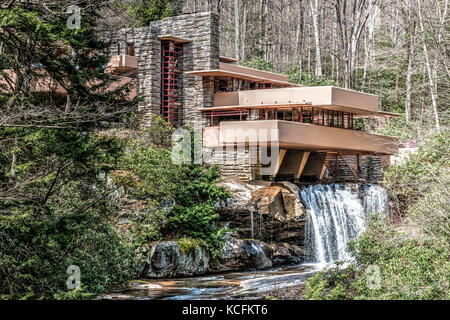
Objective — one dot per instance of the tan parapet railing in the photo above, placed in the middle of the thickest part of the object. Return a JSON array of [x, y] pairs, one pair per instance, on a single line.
[[327, 97], [121, 63], [297, 136]]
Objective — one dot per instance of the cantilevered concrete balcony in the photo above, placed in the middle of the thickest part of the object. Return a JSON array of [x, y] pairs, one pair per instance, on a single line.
[[326, 97], [43, 83], [297, 136], [122, 63]]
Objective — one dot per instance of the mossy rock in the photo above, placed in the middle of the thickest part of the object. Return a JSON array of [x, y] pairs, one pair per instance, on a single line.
[[187, 245]]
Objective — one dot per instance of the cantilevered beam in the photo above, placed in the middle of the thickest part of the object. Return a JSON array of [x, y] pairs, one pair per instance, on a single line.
[[324, 166], [303, 160], [280, 158]]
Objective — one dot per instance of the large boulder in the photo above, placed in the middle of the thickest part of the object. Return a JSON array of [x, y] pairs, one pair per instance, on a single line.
[[246, 254], [241, 194], [166, 260], [267, 211], [293, 206], [269, 201], [281, 201], [286, 254]]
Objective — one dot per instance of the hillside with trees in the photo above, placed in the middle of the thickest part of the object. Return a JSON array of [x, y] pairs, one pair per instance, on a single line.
[[64, 170], [397, 50]]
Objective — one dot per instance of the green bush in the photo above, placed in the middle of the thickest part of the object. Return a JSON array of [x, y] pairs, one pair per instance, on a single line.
[[196, 202], [432, 212], [260, 64], [150, 173], [39, 249], [308, 79], [402, 129], [417, 175], [144, 12], [333, 284], [408, 269], [189, 244]]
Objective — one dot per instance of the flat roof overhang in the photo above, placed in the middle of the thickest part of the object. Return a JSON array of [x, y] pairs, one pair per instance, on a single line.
[[236, 71], [326, 97], [223, 73], [170, 37], [227, 59], [297, 136]]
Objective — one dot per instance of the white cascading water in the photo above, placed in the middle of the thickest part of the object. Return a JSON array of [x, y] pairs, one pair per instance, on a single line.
[[336, 214]]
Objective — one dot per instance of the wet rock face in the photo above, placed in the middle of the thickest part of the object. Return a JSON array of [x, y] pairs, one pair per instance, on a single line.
[[166, 260], [276, 210], [241, 254], [251, 254], [294, 208], [269, 201], [241, 193]]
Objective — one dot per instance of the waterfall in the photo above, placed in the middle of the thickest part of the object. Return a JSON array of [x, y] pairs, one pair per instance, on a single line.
[[336, 214]]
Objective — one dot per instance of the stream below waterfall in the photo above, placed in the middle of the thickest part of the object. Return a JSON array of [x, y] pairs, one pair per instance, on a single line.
[[230, 285], [336, 214]]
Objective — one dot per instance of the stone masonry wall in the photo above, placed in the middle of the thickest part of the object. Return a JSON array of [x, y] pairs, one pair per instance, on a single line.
[[201, 53], [236, 163], [148, 76]]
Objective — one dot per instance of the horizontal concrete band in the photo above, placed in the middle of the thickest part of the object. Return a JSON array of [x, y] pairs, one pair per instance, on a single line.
[[297, 136]]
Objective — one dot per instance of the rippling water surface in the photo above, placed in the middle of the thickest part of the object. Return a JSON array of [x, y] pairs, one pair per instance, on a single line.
[[233, 285]]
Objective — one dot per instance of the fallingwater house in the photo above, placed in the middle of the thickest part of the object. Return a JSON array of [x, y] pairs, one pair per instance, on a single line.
[[176, 68]]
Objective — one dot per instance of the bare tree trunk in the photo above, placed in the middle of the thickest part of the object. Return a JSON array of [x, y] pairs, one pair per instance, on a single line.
[[351, 25], [12, 176], [335, 54], [394, 27], [262, 25], [266, 42], [236, 29], [314, 5], [369, 39], [396, 88], [333, 59], [300, 38], [442, 45], [428, 66], [244, 31], [309, 51], [411, 47]]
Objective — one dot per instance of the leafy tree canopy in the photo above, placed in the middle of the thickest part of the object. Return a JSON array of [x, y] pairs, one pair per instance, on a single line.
[[146, 11]]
